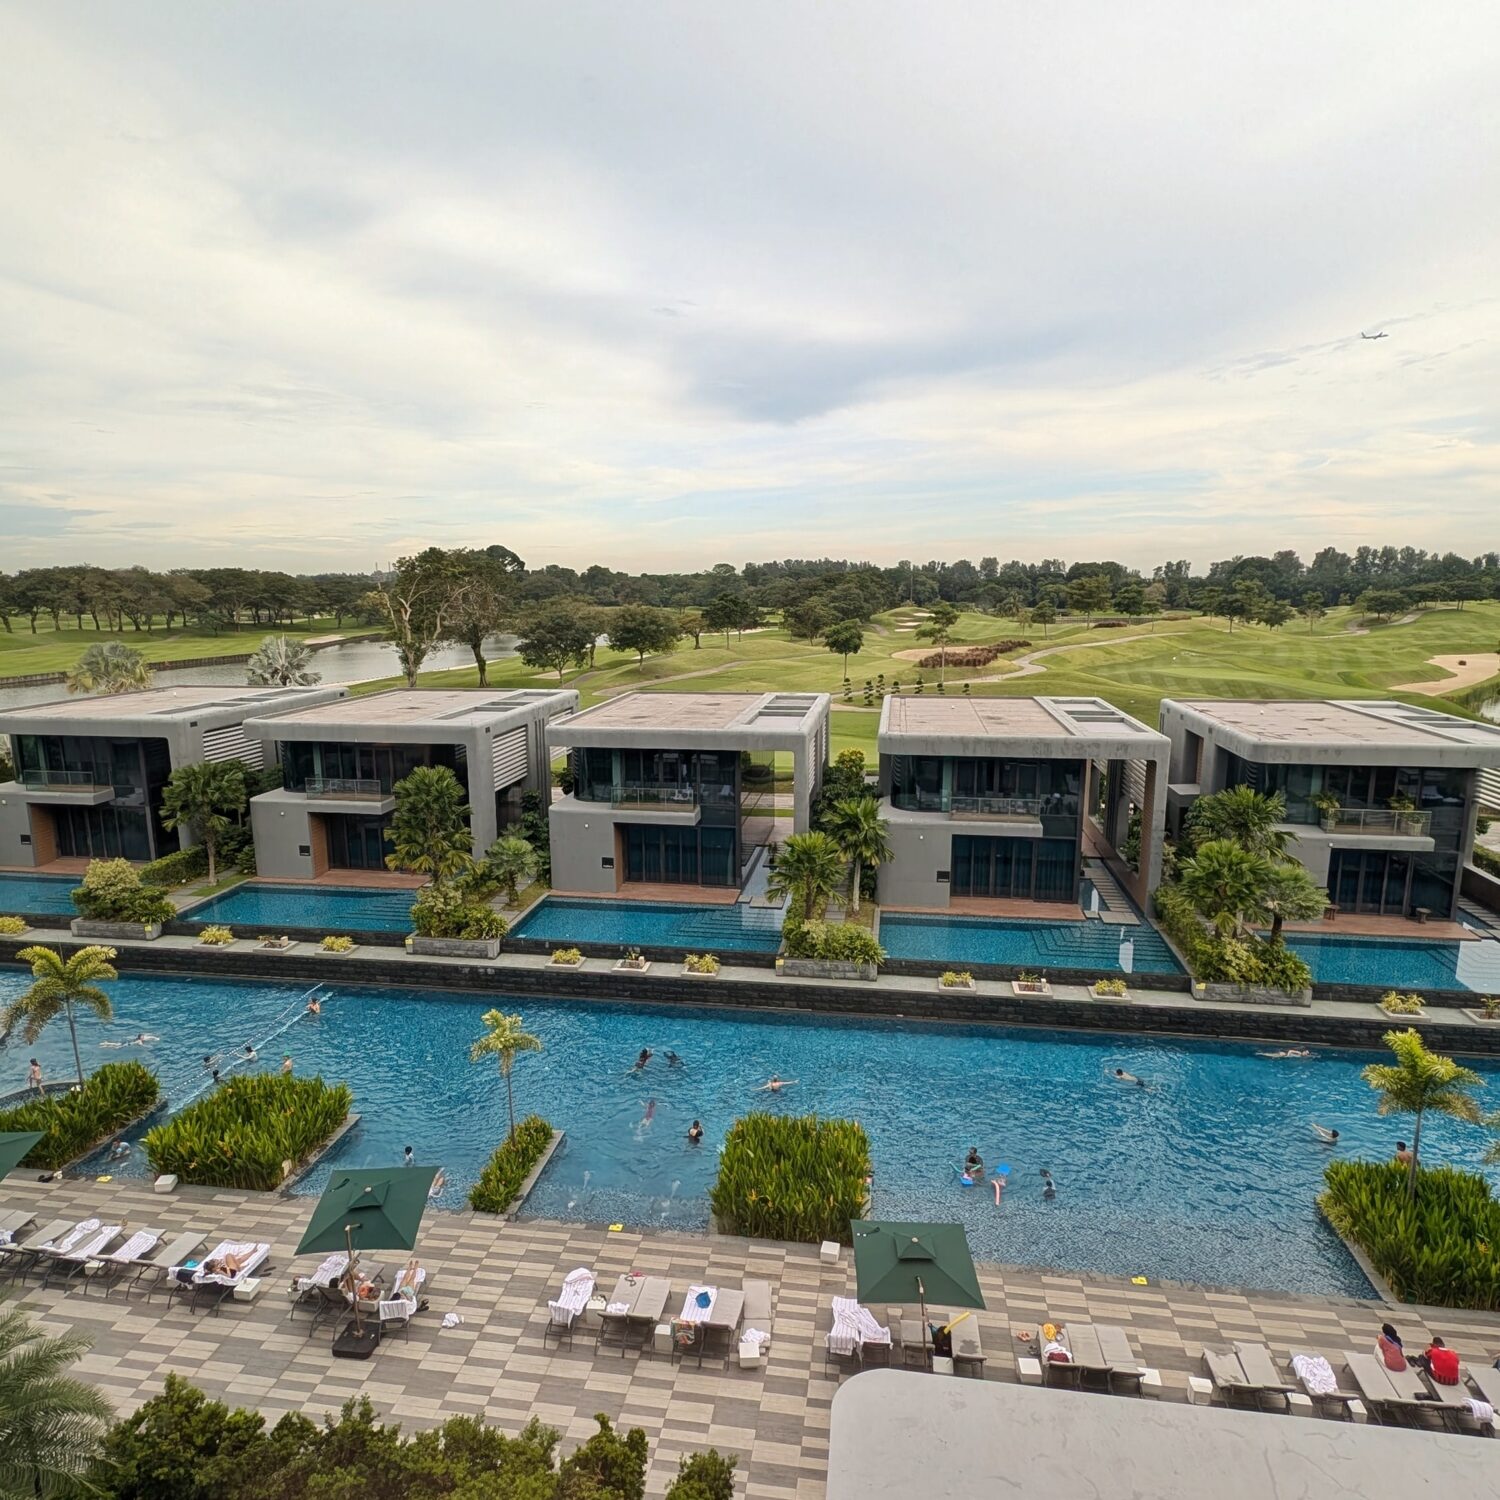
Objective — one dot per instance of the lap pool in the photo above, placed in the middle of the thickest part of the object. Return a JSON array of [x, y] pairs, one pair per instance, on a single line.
[[37, 895], [1401, 963], [329, 908], [1098, 946], [1207, 1175], [736, 928]]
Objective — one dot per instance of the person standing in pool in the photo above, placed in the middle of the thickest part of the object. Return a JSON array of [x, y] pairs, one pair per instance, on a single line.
[[408, 1157], [775, 1085], [695, 1133], [34, 1079], [973, 1163]]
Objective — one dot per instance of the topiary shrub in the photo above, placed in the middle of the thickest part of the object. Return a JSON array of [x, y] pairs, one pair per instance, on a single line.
[[244, 1133], [506, 1170], [444, 911], [113, 891], [788, 1178], [177, 868], [75, 1122]]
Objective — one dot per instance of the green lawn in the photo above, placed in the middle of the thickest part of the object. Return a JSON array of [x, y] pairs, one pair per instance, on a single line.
[[1193, 658], [52, 650]]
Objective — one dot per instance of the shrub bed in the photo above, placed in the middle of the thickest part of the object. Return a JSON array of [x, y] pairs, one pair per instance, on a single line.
[[113, 891], [1444, 1249], [506, 1170], [178, 868], [75, 1123], [1487, 860], [250, 1131], [784, 1178], [444, 911], [1228, 960], [846, 942], [972, 656]]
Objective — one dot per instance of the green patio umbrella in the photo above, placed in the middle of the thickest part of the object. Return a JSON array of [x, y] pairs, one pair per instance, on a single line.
[[376, 1208], [922, 1263], [14, 1144]]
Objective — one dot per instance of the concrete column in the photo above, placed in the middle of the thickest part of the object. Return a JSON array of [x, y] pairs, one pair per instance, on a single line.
[[802, 782]]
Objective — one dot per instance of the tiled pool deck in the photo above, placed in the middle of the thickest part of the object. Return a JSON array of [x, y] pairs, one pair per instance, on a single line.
[[498, 1278]]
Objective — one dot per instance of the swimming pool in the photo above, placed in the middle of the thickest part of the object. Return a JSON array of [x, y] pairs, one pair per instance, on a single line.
[[1207, 1175], [328, 908], [1401, 963], [738, 928], [37, 895], [1099, 946]]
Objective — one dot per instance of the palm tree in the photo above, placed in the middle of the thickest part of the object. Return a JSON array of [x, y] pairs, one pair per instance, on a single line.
[[809, 868], [108, 667], [1291, 895], [205, 797], [61, 983], [282, 663], [1420, 1082], [508, 862], [429, 830], [858, 829], [51, 1425], [504, 1038], [1224, 883], [1253, 820]]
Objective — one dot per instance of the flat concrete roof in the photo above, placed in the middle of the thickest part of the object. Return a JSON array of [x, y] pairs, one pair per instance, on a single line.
[[187, 702], [1042, 726], [895, 1433], [670, 716], [402, 711], [1264, 727]]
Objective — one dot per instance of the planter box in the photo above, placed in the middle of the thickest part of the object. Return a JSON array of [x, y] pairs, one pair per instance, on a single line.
[[966, 988], [1118, 999], [1252, 994], [1484, 1020], [86, 927], [624, 966], [427, 947], [700, 973], [1018, 988], [276, 947], [1399, 1016], [211, 946], [337, 952], [565, 963], [826, 968]]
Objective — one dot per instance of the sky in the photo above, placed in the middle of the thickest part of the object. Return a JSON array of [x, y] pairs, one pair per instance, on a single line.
[[661, 285]]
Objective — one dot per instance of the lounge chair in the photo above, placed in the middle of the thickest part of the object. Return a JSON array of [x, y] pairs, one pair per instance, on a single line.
[[1486, 1382], [1126, 1370], [1386, 1398], [14, 1220], [74, 1251], [120, 1262], [1232, 1386], [1262, 1374], [1453, 1402], [22, 1252], [155, 1273], [967, 1347], [398, 1311], [564, 1313], [212, 1288], [1320, 1385], [854, 1331]]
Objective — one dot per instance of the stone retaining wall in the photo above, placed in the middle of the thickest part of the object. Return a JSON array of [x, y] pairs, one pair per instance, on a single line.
[[1006, 972]]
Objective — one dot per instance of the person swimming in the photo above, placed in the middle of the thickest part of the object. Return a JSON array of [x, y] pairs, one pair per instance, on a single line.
[[673, 1061], [774, 1085], [650, 1114], [120, 1150], [210, 1061], [144, 1038], [973, 1162], [438, 1183], [1123, 1077], [286, 1062], [1049, 1188], [642, 1060], [1288, 1052], [1328, 1137], [111, 1045], [250, 1054], [315, 1006], [695, 1133]]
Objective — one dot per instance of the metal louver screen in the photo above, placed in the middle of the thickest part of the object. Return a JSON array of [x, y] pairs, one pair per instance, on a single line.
[[1489, 788], [508, 752], [232, 743]]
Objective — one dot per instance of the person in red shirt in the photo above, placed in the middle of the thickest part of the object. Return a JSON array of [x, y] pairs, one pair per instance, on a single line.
[[1440, 1362]]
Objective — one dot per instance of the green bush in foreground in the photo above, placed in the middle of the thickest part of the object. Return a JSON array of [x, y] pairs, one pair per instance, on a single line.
[[506, 1170], [704, 1476], [1219, 959], [181, 1445], [845, 942], [250, 1131], [1444, 1249], [78, 1121], [792, 1178], [444, 911]]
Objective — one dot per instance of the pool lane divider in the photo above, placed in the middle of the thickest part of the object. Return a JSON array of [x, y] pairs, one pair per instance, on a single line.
[[1146, 1013]]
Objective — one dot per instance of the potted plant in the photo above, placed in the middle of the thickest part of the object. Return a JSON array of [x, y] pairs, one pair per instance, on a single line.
[[276, 944], [216, 937], [633, 961], [1109, 989], [1328, 811], [1407, 820], [1030, 984], [566, 958], [11, 927], [706, 965], [338, 942], [448, 922], [1488, 1011], [1393, 1003], [956, 979]]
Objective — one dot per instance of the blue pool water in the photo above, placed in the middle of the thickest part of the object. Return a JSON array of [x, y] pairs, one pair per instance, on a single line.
[[1207, 1175], [36, 895], [329, 908], [1400, 963], [740, 928], [1031, 945]]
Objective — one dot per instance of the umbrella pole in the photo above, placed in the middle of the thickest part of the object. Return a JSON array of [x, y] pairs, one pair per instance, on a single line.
[[353, 1278], [922, 1304]]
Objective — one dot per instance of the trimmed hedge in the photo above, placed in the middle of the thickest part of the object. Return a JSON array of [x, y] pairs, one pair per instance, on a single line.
[[1228, 960], [787, 1178], [250, 1132], [178, 868], [77, 1122], [1443, 1250], [1487, 860], [506, 1170]]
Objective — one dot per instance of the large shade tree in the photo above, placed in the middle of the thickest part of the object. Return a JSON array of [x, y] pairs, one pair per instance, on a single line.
[[505, 1039], [644, 629], [59, 984], [487, 604], [205, 798], [556, 638], [418, 600], [845, 638], [1421, 1083]]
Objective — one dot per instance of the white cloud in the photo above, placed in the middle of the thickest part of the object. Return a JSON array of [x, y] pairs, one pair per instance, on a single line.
[[666, 286]]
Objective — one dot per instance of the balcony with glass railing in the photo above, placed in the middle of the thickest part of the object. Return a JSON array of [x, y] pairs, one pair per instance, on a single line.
[[1392, 822], [632, 796], [65, 781], [346, 787], [957, 805]]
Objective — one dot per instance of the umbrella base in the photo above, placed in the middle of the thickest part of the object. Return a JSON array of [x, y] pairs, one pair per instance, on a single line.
[[357, 1343]]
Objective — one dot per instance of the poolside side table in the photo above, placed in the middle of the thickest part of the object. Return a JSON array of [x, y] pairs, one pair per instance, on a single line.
[[594, 1308]]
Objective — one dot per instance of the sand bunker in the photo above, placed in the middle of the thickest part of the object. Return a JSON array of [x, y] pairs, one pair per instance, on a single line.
[[1468, 670]]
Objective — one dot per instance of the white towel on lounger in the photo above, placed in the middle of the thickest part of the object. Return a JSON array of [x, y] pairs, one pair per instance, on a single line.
[[1316, 1374]]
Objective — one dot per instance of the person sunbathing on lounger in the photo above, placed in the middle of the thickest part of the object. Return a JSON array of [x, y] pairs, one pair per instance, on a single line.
[[228, 1264], [408, 1279]]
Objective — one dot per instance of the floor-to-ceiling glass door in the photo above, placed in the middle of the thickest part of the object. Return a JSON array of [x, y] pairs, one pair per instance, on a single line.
[[1376, 882], [356, 843], [1014, 869]]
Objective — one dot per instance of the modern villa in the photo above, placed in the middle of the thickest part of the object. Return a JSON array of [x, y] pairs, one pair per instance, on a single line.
[[996, 801], [679, 791], [90, 771], [1381, 796], [341, 761]]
